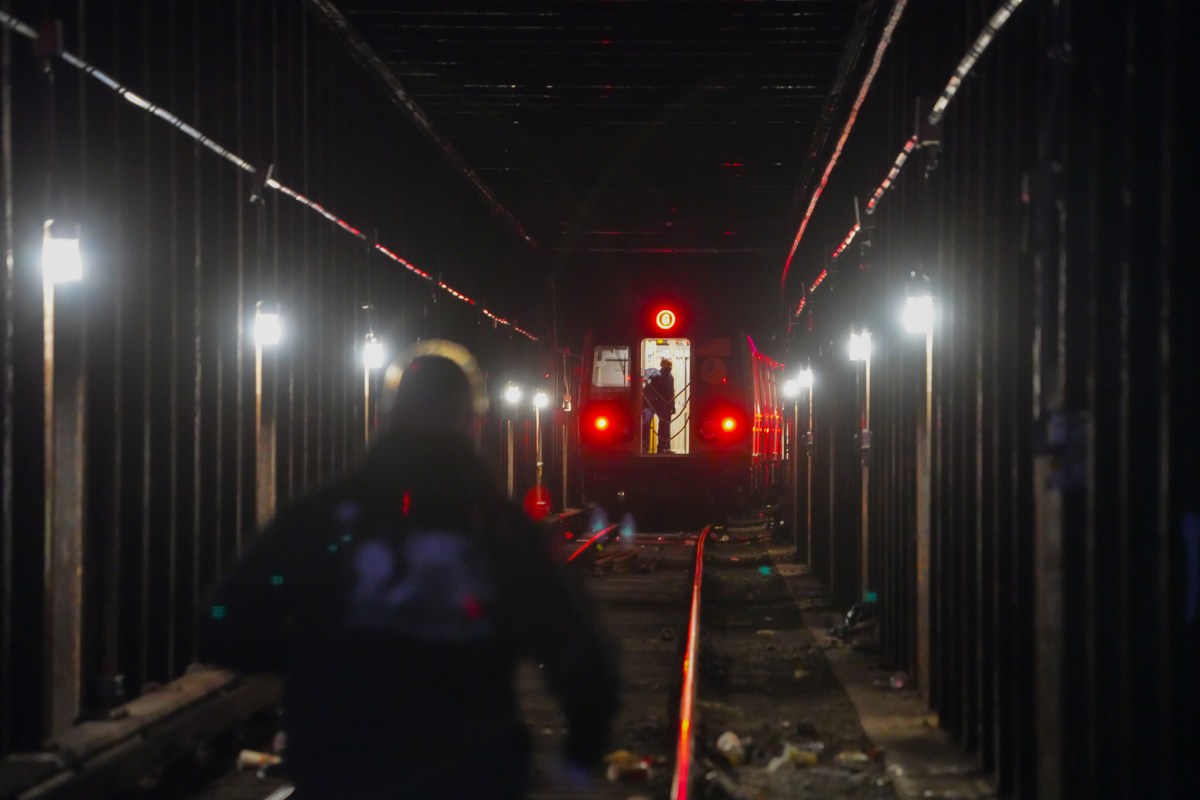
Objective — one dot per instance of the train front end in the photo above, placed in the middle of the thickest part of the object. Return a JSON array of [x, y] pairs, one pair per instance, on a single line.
[[693, 456]]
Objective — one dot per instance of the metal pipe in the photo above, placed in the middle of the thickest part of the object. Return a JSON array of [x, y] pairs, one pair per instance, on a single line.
[[6, 401], [808, 446], [537, 442], [865, 459], [924, 515], [794, 463], [366, 403], [565, 450], [508, 449]]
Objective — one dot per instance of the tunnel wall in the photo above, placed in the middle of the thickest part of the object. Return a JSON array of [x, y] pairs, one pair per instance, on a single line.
[[1053, 220], [156, 487]]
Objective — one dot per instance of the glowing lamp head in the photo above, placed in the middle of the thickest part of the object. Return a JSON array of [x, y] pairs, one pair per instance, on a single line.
[[728, 424], [665, 319], [268, 328], [61, 259], [918, 314], [540, 399], [373, 355], [860, 346], [601, 423], [512, 394]]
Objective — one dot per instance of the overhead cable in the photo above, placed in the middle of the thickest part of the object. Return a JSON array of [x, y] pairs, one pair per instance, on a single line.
[[973, 53], [893, 173], [880, 48], [846, 242], [965, 65], [12, 23], [363, 52]]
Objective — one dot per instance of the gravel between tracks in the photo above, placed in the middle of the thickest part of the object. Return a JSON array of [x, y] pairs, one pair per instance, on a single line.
[[764, 676]]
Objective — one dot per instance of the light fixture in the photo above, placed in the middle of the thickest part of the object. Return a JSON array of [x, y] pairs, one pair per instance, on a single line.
[[918, 304], [373, 354], [918, 313], [512, 394], [268, 329], [794, 386], [860, 346], [665, 319], [61, 259], [540, 399]]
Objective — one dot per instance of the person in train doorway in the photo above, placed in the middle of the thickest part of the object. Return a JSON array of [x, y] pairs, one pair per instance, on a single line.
[[660, 391], [397, 602]]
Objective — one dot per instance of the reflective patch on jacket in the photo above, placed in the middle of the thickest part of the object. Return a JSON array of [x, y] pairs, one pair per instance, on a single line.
[[431, 585]]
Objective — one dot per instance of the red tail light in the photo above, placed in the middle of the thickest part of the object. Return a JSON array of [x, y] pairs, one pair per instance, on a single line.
[[606, 423], [722, 425]]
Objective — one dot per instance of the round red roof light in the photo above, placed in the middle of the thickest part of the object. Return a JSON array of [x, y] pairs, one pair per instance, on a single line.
[[665, 319]]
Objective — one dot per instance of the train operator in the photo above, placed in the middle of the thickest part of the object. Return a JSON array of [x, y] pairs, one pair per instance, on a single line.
[[396, 604]]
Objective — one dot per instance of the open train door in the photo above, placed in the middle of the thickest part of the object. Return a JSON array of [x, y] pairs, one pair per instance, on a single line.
[[679, 350]]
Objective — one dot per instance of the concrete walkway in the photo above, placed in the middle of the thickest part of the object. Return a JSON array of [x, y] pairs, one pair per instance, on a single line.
[[920, 757]]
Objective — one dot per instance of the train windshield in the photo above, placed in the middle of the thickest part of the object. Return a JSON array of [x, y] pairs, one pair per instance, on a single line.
[[610, 367], [666, 406]]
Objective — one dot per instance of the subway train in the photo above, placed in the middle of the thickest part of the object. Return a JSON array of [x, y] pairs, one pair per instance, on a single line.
[[724, 428]]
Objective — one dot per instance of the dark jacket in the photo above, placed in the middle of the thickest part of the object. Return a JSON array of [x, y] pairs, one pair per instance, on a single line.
[[397, 603], [660, 392]]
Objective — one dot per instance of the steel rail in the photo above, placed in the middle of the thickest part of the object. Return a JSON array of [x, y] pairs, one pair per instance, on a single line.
[[683, 747], [583, 547]]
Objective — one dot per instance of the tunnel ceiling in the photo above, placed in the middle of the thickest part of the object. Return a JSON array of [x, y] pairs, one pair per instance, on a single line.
[[634, 127]]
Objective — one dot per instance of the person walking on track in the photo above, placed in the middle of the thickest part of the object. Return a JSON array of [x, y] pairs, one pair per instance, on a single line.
[[397, 602]]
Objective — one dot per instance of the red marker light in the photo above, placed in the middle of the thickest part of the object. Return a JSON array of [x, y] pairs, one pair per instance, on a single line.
[[665, 319], [728, 424], [601, 423], [537, 502]]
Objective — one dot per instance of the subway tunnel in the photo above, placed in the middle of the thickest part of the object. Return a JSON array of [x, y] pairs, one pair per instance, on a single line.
[[1010, 482]]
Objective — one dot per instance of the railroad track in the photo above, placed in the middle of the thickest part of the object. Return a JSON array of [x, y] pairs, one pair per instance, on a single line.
[[642, 586], [708, 645], [715, 651]]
